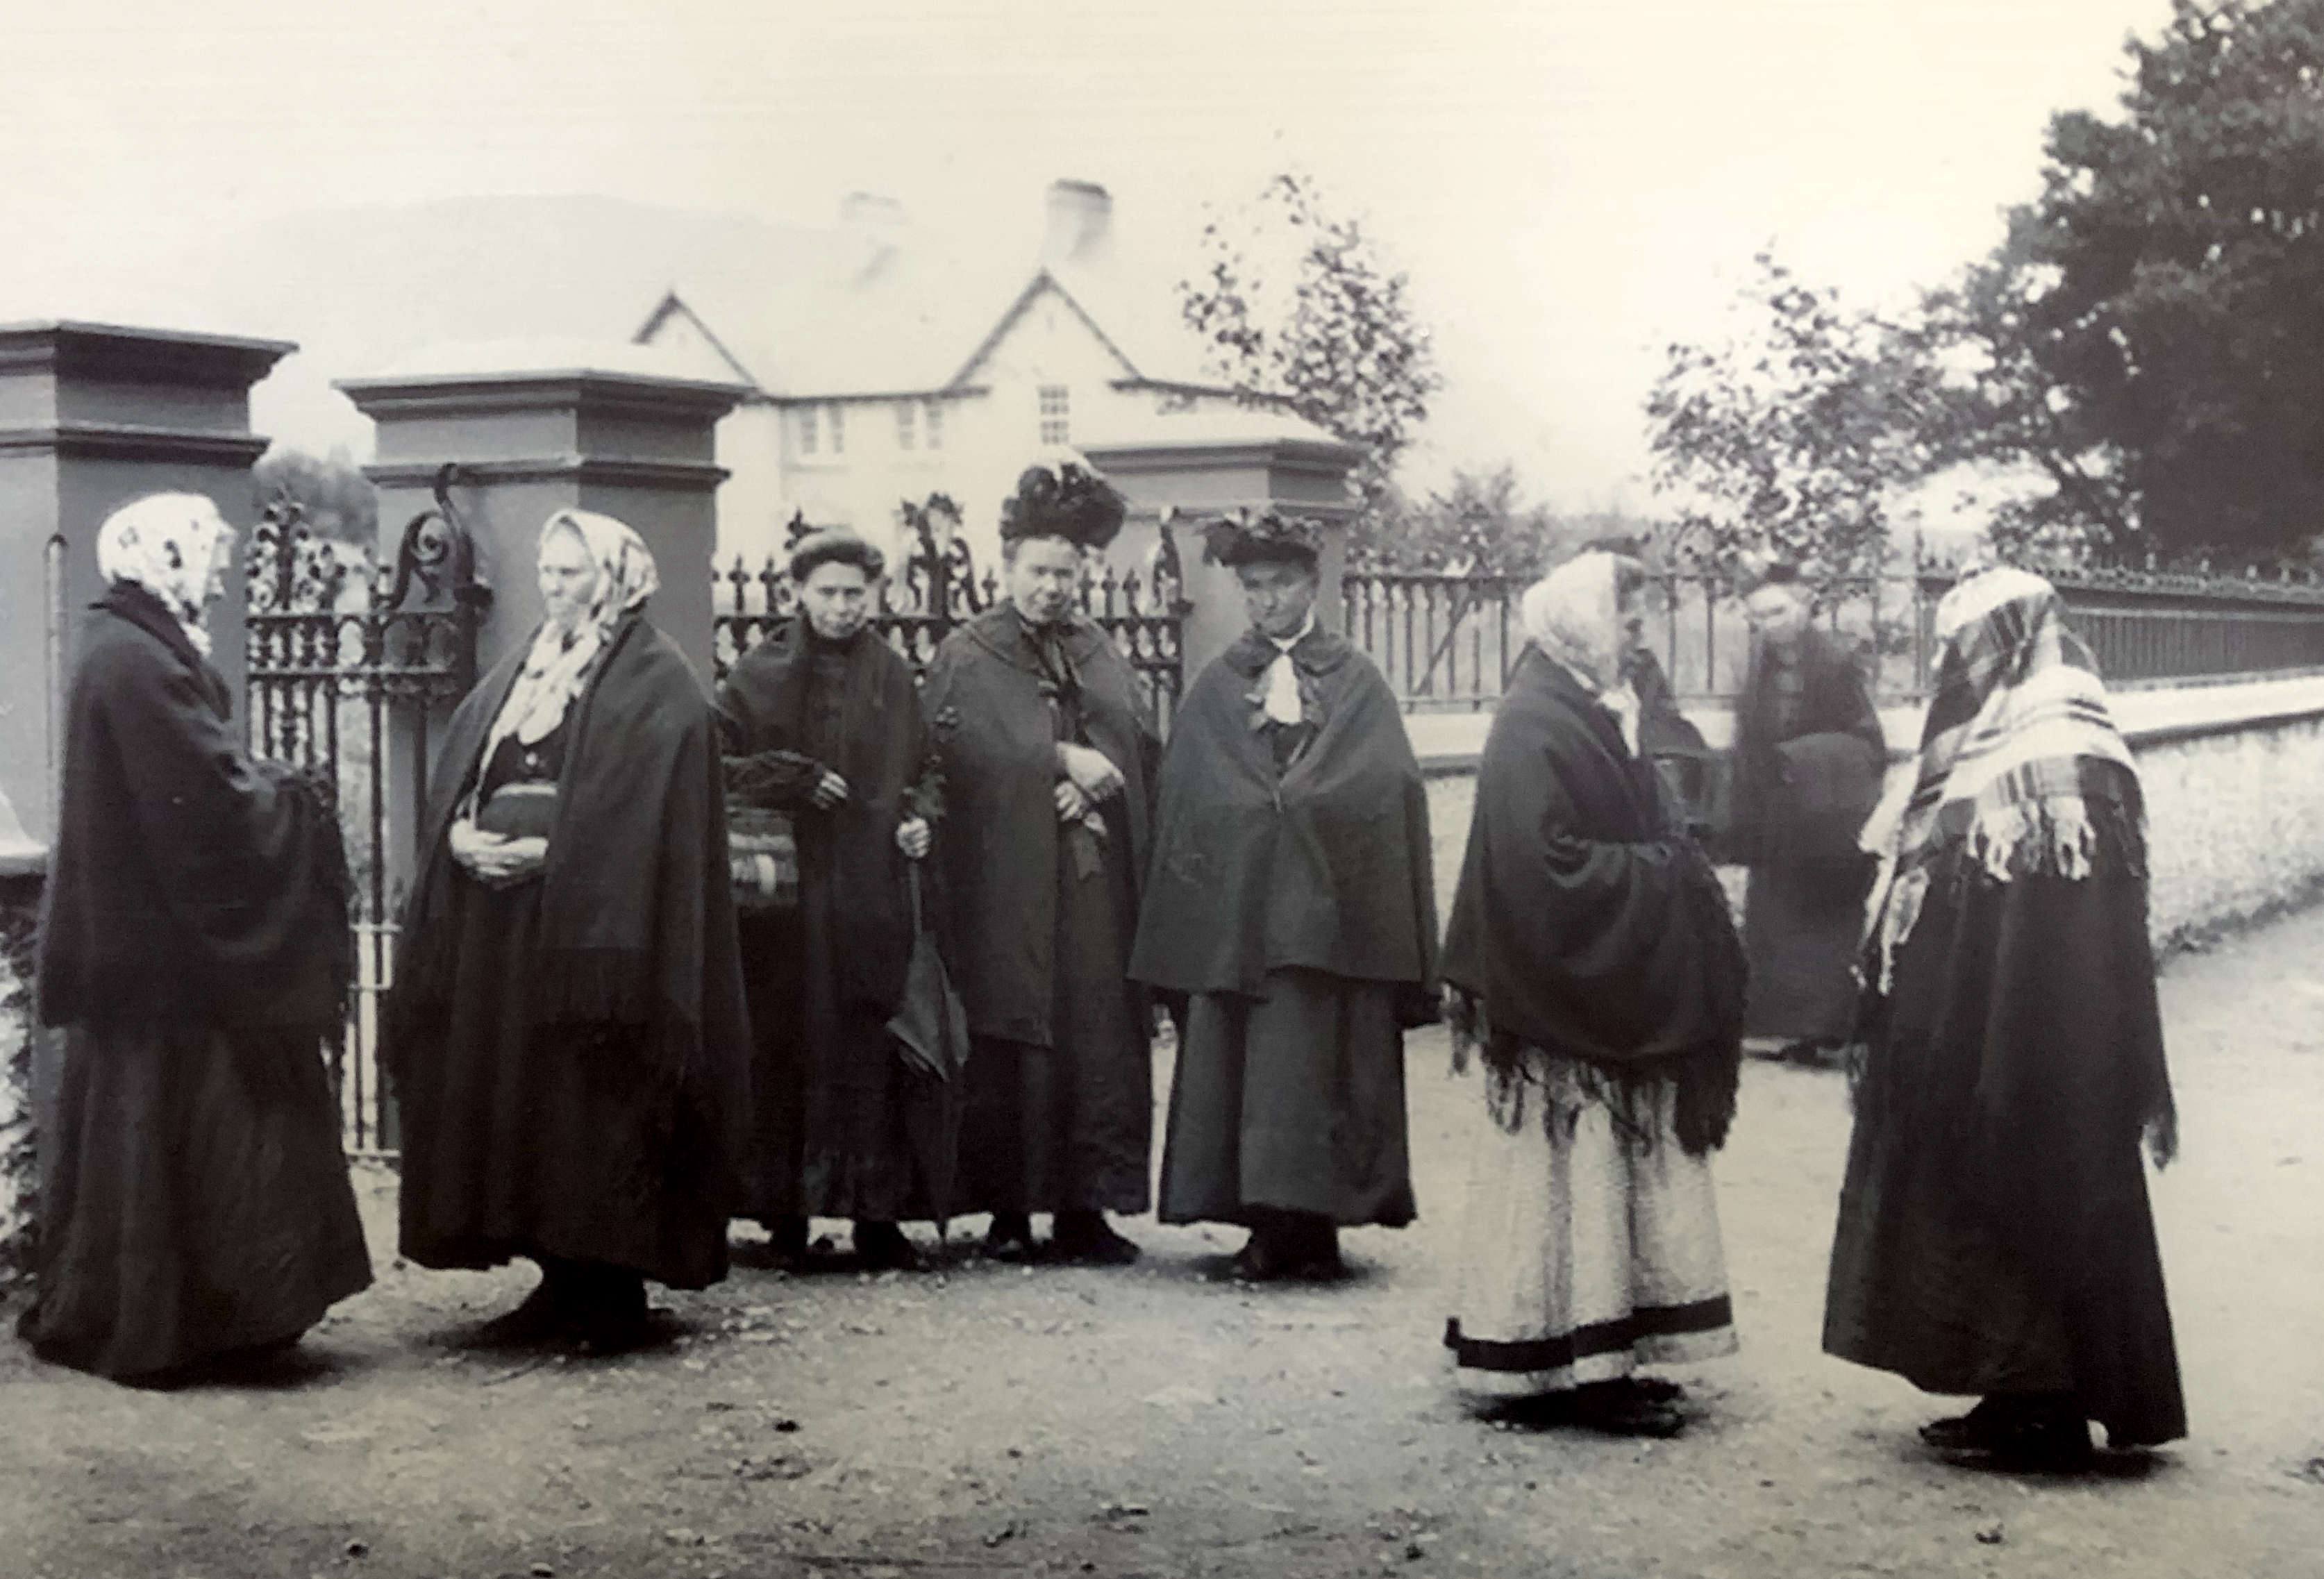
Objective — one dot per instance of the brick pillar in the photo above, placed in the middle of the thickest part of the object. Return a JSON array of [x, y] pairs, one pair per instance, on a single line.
[[1298, 472], [91, 417], [531, 434]]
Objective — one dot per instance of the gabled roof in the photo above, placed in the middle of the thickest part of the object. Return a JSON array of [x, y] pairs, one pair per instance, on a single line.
[[901, 313]]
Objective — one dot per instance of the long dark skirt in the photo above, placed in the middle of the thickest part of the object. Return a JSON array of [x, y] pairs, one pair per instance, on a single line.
[[1801, 927], [1292, 1100], [2024, 1261], [829, 1094], [200, 1203], [558, 1142], [1070, 1126]]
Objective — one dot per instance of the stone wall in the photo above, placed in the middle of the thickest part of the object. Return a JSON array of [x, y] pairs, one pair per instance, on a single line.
[[2234, 791], [19, 909]]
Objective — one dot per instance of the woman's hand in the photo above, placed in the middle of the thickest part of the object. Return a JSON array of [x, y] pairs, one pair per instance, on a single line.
[[1090, 770], [1072, 804], [913, 838], [830, 791], [493, 859]]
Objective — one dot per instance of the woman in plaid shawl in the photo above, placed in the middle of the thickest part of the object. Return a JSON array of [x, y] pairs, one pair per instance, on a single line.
[[1994, 1236]]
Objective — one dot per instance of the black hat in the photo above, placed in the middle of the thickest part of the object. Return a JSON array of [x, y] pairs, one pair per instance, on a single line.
[[1066, 500], [835, 545], [1267, 537]]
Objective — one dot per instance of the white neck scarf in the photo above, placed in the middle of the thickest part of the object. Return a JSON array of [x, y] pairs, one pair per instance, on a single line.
[[1282, 677]]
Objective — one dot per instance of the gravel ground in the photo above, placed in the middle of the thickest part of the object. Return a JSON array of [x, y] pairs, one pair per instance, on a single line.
[[992, 1419]]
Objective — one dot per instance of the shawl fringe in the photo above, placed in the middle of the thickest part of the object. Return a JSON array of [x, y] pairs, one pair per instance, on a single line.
[[1704, 1080]]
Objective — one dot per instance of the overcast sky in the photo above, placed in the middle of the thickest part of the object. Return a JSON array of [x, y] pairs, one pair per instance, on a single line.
[[1570, 185]]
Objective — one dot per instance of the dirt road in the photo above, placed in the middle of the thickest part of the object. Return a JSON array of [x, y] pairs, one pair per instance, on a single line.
[[996, 1421]]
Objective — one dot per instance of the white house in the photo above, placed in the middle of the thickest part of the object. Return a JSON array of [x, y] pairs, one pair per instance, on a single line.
[[904, 365]]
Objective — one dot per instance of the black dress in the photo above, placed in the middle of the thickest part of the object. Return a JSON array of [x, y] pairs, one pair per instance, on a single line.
[[530, 1140]]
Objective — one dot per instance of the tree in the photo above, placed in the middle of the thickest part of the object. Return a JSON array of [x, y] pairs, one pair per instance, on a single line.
[[1481, 524], [1801, 434], [1303, 311], [2148, 331], [338, 500]]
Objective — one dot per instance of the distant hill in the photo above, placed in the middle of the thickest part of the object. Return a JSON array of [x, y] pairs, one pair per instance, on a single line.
[[359, 290]]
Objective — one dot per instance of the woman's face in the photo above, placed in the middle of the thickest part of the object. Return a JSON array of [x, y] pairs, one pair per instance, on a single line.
[[1278, 597], [568, 578], [837, 598], [1778, 612], [221, 557], [1044, 575]]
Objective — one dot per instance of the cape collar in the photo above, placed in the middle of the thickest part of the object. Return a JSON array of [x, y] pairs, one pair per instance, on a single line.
[[1005, 634], [1318, 652], [134, 603]]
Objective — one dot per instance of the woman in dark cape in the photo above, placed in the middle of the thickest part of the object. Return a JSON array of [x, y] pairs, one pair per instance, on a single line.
[[567, 1031], [821, 720], [1994, 1236], [1048, 753], [194, 946], [1591, 962], [1290, 903], [1809, 762]]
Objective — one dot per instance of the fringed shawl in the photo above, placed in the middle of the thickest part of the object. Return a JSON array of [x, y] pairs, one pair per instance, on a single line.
[[2022, 769], [637, 923], [1584, 926]]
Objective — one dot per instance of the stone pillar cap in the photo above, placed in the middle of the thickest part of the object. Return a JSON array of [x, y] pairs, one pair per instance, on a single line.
[[545, 357]]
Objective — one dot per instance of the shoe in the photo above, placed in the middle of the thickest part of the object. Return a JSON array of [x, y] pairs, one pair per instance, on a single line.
[[1010, 1237], [1624, 1408], [786, 1239], [2015, 1435], [542, 1318], [1088, 1239], [881, 1247]]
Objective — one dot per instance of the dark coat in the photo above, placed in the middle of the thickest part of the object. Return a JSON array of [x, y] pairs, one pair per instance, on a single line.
[[1802, 793], [996, 733], [1323, 866], [1584, 925], [762, 708], [636, 920], [188, 883]]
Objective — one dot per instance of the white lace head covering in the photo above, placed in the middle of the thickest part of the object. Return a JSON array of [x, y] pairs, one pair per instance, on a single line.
[[557, 669], [171, 545], [1574, 616]]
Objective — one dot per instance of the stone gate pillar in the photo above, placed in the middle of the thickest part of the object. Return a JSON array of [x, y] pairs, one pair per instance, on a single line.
[[532, 430], [91, 417], [1259, 461]]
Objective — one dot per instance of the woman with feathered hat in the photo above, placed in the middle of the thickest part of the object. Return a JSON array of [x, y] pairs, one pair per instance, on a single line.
[[1048, 752]]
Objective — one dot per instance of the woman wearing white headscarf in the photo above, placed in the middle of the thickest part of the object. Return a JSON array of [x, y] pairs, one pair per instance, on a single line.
[[1591, 962], [194, 946], [1994, 1236], [566, 1030]]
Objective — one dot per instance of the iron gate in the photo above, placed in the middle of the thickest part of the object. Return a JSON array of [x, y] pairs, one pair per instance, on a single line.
[[345, 655], [937, 588]]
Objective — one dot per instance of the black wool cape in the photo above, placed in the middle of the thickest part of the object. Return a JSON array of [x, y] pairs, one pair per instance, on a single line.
[[1322, 867], [1584, 925], [636, 920]]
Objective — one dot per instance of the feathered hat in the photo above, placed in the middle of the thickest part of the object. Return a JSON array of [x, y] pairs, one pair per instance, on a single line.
[[1065, 499], [1269, 536]]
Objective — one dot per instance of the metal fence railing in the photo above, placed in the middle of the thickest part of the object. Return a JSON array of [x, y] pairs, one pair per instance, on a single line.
[[1447, 642]]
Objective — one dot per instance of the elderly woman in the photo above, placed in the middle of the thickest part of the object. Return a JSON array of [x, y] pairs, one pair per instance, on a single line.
[[821, 720], [566, 1029], [194, 949], [1809, 758], [1591, 959], [1290, 903], [1048, 753], [1994, 1236]]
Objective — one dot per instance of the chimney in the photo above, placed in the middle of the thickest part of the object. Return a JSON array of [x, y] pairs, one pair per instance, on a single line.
[[870, 229], [1079, 223]]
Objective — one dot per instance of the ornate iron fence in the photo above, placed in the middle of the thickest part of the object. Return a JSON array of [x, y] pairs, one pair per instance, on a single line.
[[343, 653], [937, 589], [1447, 642]]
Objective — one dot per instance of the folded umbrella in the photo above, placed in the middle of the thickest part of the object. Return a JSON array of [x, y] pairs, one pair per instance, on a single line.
[[930, 1027]]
